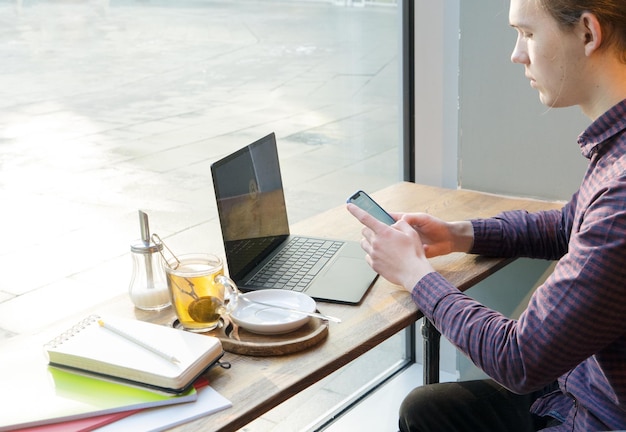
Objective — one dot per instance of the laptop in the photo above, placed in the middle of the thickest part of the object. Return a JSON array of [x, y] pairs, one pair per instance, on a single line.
[[260, 252]]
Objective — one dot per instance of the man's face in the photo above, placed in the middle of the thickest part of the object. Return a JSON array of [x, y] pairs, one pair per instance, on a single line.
[[553, 59]]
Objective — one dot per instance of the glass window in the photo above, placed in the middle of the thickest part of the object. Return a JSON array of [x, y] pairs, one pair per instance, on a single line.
[[110, 106]]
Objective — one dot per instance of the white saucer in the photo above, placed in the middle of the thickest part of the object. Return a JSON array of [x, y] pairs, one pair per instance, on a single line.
[[266, 320]]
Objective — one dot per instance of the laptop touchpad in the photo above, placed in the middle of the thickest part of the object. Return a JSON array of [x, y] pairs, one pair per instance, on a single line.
[[345, 272]]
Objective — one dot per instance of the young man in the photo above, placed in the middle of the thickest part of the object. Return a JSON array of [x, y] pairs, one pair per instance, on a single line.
[[563, 363]]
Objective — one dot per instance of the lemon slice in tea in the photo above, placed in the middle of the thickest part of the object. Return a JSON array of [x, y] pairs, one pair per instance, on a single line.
[[205, 309]]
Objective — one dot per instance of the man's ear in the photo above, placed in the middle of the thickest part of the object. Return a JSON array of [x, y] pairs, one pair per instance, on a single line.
[[591, 32]]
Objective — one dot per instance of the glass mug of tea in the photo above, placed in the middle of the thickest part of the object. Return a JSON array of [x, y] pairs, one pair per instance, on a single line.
[[199, 291]]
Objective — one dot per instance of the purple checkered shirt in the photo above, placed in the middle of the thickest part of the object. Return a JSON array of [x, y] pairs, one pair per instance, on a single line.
[[574, 328]]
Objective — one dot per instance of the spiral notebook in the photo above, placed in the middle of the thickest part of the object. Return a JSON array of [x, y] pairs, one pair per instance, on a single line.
[[135, 352]]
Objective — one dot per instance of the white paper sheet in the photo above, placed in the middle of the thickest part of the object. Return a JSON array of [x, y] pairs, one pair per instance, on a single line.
[[157, 419]]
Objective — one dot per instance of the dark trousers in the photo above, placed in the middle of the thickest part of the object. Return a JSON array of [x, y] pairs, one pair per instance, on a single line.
[[470, 406]]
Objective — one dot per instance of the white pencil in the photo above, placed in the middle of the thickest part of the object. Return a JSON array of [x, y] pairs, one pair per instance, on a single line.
[[136, 341]]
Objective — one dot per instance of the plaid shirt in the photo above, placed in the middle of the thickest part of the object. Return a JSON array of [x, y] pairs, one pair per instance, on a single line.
[[574, 327]]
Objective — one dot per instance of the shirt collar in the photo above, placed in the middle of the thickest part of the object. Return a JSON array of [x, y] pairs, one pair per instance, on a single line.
[[603, 128]]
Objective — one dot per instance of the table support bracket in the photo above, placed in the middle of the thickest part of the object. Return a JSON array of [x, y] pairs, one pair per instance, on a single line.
[[432, 339]]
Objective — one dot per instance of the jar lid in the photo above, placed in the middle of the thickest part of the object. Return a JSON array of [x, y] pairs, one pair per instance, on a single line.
[[143, 248]]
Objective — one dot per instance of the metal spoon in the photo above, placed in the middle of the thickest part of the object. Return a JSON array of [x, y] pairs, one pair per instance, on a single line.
[[275, 306]]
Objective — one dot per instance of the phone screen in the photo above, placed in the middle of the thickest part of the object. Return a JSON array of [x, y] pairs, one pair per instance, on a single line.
[[364, 201]]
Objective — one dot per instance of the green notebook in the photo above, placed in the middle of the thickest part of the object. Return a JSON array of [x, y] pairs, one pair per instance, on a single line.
[[34, 393]]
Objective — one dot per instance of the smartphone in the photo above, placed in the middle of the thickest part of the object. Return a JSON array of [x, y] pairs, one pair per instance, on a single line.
[[364, 201]]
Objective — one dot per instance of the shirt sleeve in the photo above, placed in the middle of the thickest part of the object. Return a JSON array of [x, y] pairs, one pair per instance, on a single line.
[[522, 234], [575, 314]]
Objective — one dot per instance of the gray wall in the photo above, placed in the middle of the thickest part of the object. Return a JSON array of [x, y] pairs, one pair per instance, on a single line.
[[508, 141]]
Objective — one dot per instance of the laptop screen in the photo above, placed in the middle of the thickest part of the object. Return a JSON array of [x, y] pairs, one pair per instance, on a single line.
[[251, 204]]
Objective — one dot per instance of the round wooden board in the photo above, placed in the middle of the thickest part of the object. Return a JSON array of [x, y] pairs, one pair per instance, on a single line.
[[241, 341]]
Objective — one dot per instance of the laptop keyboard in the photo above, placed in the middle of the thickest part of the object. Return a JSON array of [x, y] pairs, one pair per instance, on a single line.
[[295, 266]]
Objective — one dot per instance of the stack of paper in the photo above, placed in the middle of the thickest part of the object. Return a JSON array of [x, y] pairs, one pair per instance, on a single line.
[[151, 419], [43, 398]]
